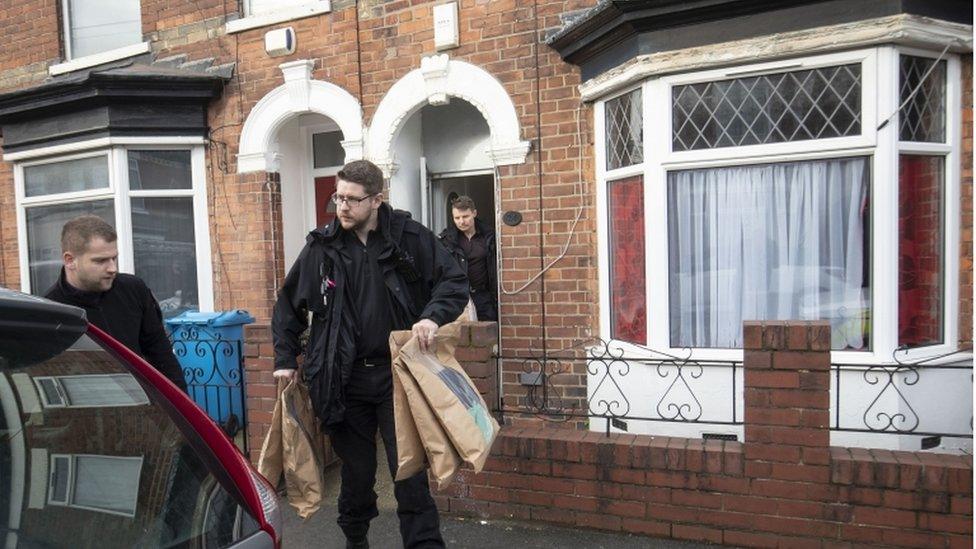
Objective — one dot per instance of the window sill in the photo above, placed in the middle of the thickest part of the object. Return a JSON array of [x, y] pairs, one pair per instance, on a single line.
[[98, 58], [286, 14]]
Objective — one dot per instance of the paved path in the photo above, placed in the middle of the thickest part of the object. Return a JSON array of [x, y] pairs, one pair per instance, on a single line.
[[459, 532]]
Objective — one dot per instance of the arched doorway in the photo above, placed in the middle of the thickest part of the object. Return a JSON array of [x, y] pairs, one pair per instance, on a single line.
[[303, 130]]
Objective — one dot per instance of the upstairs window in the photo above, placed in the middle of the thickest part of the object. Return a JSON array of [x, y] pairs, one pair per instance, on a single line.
[[96, 26]]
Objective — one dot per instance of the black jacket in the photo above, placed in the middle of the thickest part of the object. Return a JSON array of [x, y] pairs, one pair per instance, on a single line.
[[129, 313], [451, 236], [421, 277]]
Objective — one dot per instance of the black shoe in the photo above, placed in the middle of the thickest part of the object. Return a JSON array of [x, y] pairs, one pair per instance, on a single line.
[[360, 543]]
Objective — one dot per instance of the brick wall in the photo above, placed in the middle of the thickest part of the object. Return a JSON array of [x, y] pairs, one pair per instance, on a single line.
[[783, 487], [474, 352]]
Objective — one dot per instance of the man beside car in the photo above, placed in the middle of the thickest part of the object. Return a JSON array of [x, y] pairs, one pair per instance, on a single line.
[[118, 303], [472, 243], [371, 271]]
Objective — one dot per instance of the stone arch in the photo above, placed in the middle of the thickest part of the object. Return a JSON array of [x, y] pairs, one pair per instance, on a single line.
[[438, 79], [298, 95]]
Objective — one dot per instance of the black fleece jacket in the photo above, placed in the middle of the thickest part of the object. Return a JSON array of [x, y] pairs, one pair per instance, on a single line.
[[129, 313], [422, 281]]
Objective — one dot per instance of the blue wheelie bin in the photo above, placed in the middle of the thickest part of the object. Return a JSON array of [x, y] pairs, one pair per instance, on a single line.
[[209, 348]]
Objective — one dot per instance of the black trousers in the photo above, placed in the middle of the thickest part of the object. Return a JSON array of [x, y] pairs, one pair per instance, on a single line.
[[369, 405], [484, 303]]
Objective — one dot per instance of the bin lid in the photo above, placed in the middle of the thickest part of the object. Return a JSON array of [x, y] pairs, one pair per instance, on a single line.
[[214, 319]]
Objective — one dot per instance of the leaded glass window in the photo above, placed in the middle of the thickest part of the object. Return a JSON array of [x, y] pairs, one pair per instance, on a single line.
[[624, 132], [769, 108], [922, 114]]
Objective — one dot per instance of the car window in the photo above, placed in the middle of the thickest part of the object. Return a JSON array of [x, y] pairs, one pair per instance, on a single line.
[[91, 457]]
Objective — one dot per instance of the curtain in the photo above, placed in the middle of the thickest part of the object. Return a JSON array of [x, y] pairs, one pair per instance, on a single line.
[[769, 242]]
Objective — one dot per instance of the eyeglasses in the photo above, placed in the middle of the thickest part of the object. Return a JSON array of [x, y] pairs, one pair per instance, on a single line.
[[351, 200]]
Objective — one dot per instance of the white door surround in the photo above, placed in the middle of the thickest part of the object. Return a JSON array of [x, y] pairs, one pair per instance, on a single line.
[[298, 95], [438, 79]]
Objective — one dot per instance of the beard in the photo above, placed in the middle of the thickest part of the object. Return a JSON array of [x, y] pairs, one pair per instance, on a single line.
[[353, 223]]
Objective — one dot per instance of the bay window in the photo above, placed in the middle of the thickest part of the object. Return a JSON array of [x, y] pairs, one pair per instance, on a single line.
[[154, 197], [822, 188]]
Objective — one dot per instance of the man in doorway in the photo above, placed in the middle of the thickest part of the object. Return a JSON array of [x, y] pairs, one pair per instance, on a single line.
[[371, 271], [473, 245], [118, 303]]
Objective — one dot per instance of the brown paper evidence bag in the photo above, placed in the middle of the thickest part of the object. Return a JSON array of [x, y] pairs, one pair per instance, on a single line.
[[294, 447], [441, 420]]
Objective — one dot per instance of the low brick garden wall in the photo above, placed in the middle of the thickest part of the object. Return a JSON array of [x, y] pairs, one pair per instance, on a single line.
[[785, 486]]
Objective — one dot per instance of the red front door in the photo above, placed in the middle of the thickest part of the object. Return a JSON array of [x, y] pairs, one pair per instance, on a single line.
[[325, 187]]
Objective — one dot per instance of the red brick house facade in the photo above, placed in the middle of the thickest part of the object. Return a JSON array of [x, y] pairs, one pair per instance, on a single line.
[[214, 157], [598, 137]]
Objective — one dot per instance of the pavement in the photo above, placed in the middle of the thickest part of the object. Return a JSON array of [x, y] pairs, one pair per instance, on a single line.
[[321, 530]]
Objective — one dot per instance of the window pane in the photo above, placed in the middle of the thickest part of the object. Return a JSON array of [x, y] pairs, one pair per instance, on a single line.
[[628, 297], [165, 251], [770, 108], [624, 129], [82, 174], [60, 471], [103, 390], [923, 116], [102, 25], [44, 238], [769, 242], [327, 149], [107, 482], [920, 246], [154, 170]]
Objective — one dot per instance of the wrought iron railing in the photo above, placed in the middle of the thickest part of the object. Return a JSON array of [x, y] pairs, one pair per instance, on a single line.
[[213, 369], [895, 393], [882, 401], [611, 366]]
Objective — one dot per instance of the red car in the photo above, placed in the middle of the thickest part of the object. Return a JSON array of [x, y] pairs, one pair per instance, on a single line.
[[98, 449]]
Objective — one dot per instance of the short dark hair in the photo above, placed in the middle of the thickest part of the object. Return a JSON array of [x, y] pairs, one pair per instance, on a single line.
[[364, 173], [463, 203], [77, 233]]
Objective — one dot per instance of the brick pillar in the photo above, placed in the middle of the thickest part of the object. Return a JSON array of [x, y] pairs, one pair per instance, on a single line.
[[259, 385], [474, 353], [787, 404]]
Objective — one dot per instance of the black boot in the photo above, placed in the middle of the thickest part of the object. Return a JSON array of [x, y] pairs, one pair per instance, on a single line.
[[358, 543]]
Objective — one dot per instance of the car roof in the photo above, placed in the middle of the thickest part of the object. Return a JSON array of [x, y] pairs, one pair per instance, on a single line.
[[36, 327]]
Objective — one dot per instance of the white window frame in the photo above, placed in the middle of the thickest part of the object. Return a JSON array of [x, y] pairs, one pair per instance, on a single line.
[[72, 471], [118, 191], [291, 10], [879, 73]]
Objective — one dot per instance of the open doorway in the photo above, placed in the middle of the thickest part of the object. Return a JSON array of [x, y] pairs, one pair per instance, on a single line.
[[443, 152], [445, 188], [442, 149], [311, 154]]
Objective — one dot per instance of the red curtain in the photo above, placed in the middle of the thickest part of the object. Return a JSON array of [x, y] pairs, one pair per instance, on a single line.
[[920, 247], [628, 290]]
